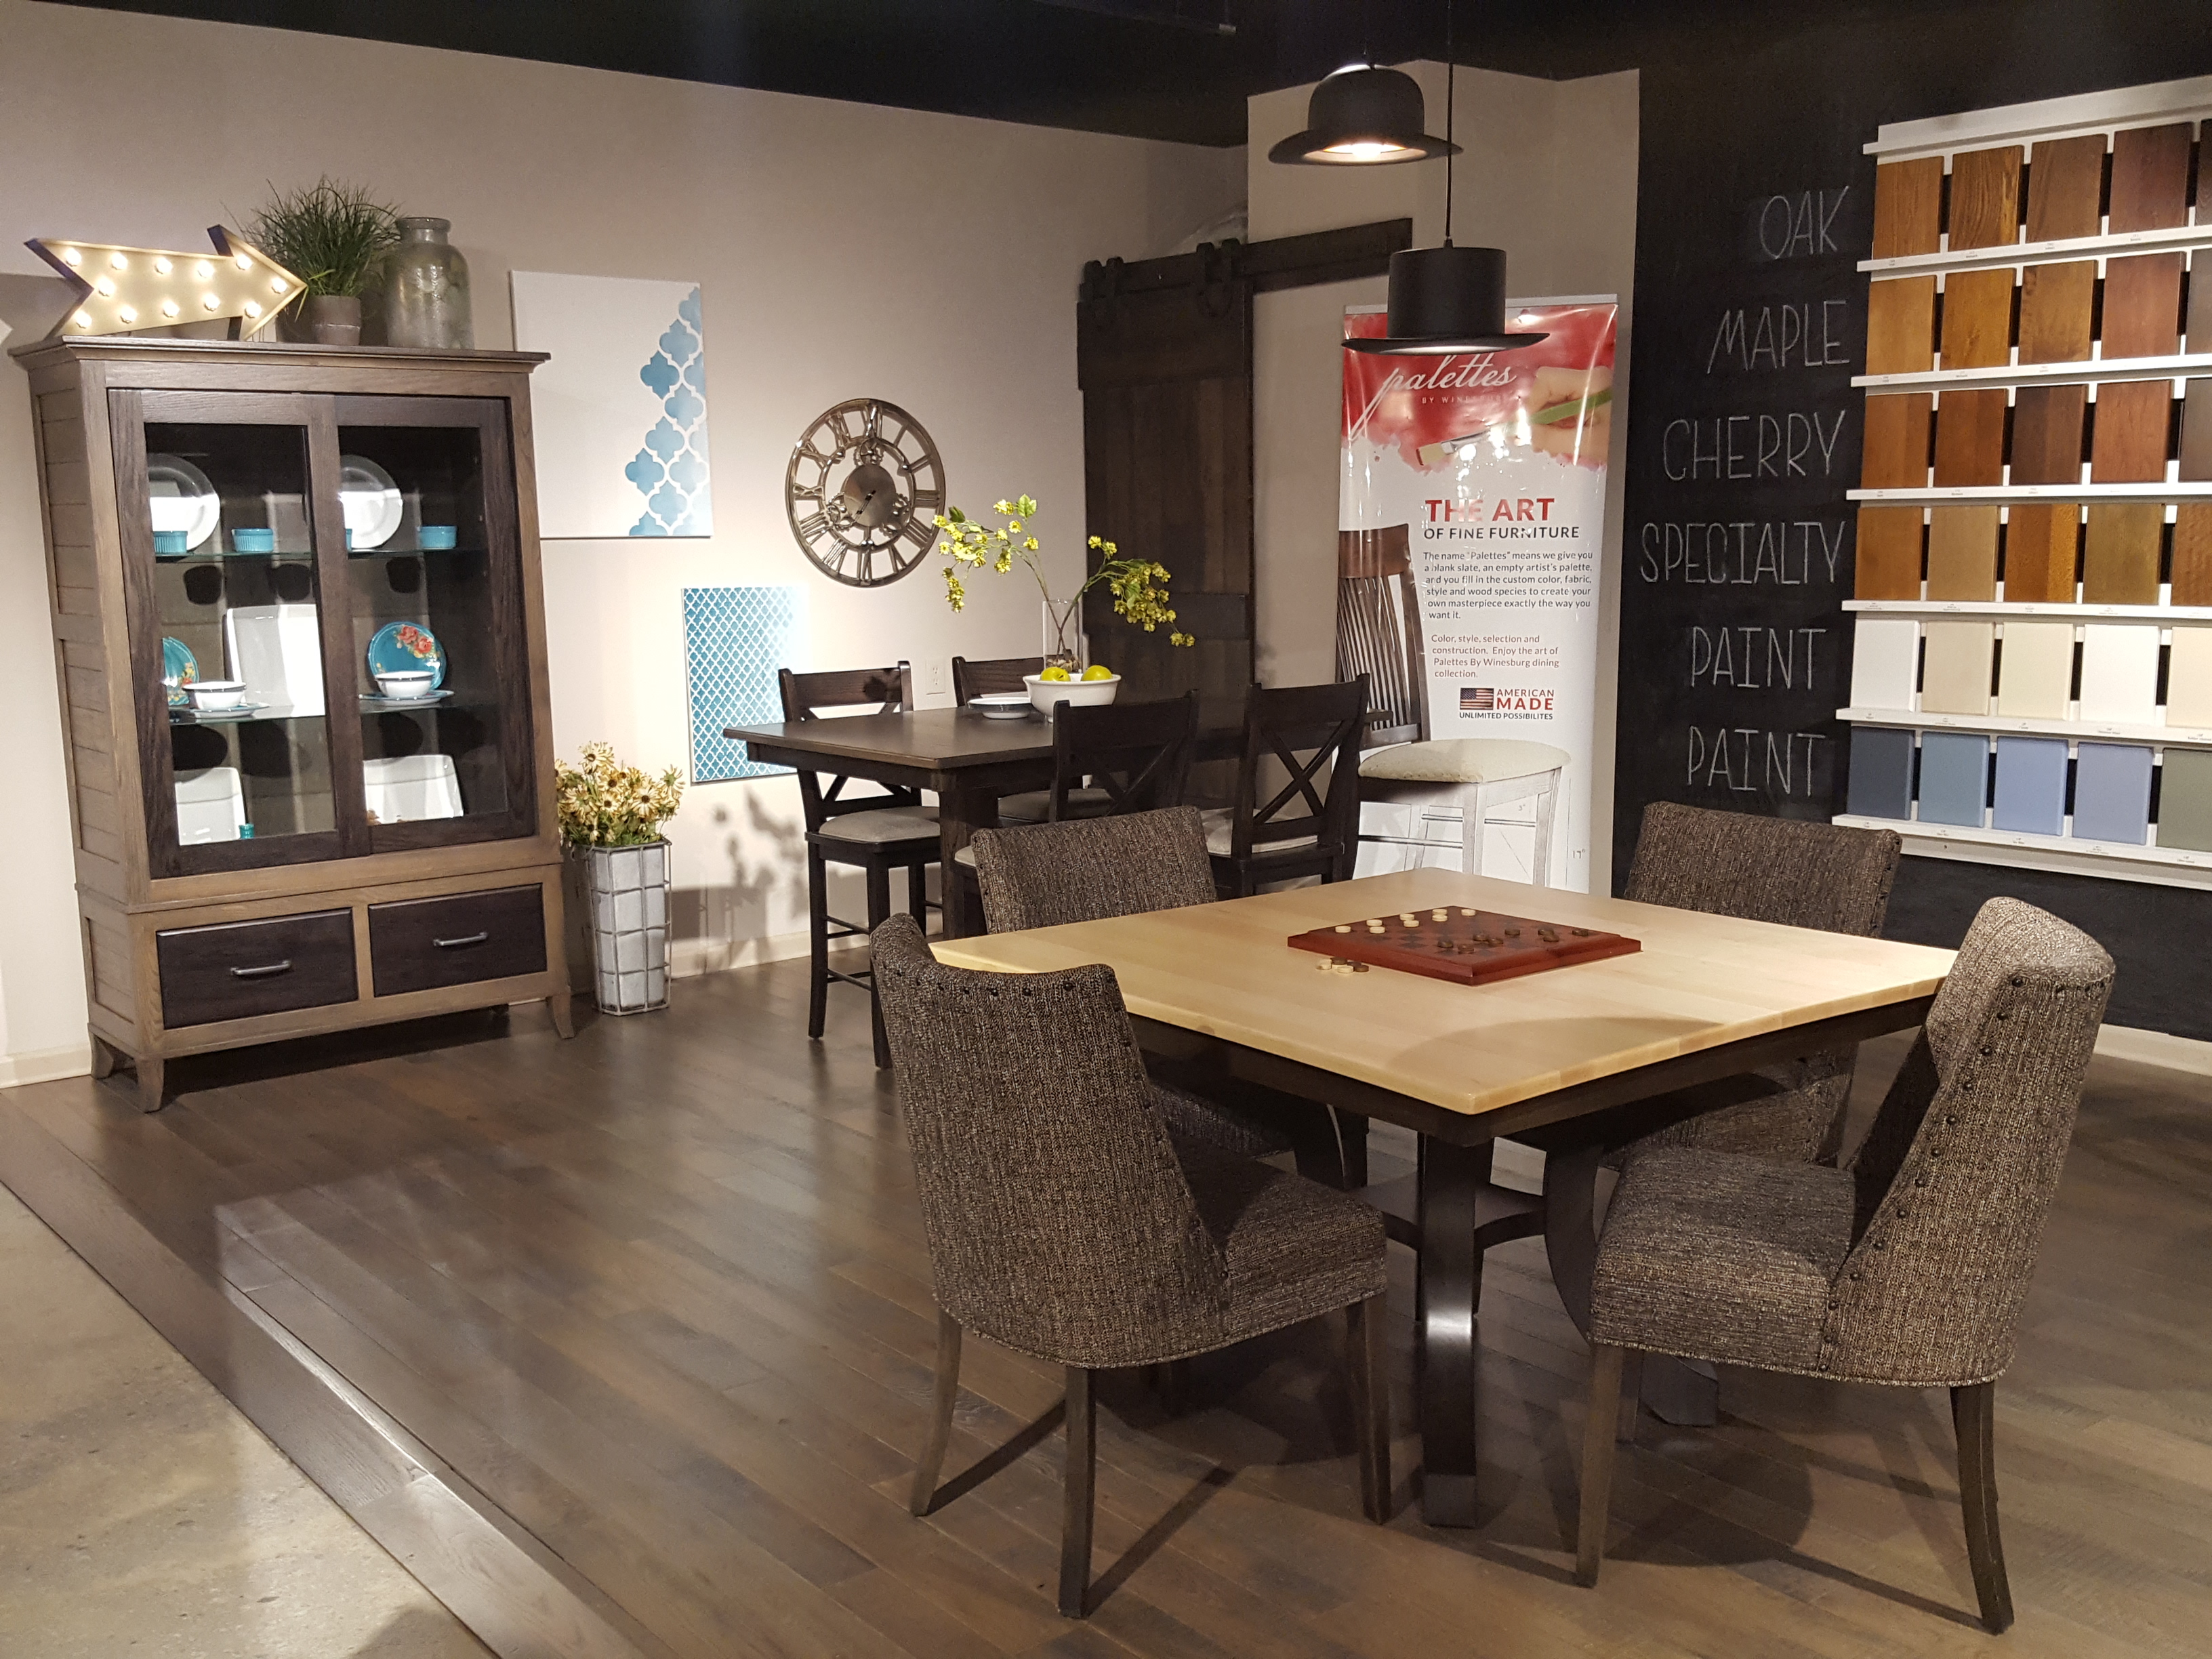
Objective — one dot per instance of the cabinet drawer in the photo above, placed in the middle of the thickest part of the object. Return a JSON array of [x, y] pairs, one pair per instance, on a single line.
[[241, 968], [419, 944]]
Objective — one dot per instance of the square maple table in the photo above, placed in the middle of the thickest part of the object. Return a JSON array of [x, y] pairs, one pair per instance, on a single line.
[[1574, 1060]]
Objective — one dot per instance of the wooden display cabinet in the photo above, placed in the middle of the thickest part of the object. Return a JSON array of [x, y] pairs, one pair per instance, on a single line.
[[328, 855]]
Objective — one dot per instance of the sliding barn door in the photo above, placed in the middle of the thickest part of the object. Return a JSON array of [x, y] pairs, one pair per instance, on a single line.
[[1164, 359]]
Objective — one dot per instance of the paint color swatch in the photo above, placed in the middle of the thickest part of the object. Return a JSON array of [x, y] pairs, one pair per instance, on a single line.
[[1886, 565], [2192, 543], [2046, 433], [1901, 326], [1882, 772], [1885, 662], [1894, 454], [2189, 677], [1970, 437], [2195, 424], [2031, 798], [1962, 553], [2042, 545], [2112, 793], [2056, 305], [2128, 440], [2119, 673], [2120, 555], [2035, 671], [1956, 677], [1954, 778], [2184, 800]]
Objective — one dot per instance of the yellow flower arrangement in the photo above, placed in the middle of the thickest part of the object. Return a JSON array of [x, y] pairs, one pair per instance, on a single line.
[[1139, 586], [604, 803]]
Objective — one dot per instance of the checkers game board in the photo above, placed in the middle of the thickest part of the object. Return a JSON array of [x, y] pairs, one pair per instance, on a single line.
[[1470, 947]]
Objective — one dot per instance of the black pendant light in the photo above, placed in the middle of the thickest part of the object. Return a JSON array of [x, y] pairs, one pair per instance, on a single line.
[[1363, 116], [1446, 300]]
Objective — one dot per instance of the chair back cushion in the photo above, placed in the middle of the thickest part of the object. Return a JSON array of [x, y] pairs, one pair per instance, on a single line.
[[1089, 869], [1788, 870], [1058, 1219], [1955, 1179]]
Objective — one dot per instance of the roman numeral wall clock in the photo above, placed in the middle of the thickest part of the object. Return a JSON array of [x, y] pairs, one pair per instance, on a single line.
[[863, 491]]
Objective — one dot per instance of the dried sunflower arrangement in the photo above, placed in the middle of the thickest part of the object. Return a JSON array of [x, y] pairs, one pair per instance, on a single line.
[[604, 803]]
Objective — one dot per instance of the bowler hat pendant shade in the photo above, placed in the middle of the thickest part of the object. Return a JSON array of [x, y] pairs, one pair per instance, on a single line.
[[1445, 299], [1362, 116]]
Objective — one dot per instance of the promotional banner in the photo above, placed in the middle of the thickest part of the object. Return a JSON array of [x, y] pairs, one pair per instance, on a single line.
[[1471, 523]]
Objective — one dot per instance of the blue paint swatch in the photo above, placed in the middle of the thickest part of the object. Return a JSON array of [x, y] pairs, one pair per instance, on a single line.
[[1882, 772], [2112, 793], [1954, 778], [2031, 785]]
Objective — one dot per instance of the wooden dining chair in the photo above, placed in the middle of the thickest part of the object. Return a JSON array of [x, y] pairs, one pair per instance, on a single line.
[[1065, 1221], [1309, 826], [885, 830], [1905, 1267], [1137, 755], [990, 675]]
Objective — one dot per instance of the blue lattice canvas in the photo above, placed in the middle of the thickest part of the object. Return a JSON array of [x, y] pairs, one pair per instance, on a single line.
[[735, 639]]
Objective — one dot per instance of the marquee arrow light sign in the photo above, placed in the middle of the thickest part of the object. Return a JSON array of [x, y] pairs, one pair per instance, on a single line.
[[121, 289]]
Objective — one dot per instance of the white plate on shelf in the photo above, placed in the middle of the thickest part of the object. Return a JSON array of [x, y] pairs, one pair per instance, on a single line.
[[182, 498], [410, 788], [277, 650], [374, 704], [370, 500], [243, 711]]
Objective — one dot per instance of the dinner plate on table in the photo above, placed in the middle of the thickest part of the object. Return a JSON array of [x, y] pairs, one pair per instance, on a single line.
[[1001, 705]]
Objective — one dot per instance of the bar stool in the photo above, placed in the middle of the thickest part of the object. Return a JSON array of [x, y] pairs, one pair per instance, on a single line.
[[1467, 778], [877, 833]]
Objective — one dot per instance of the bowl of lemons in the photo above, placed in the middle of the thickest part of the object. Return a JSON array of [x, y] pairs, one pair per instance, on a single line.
[[1096, 683]]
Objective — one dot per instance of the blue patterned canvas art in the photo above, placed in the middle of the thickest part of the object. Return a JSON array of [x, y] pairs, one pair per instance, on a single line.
[[620, 408], [735, 639]]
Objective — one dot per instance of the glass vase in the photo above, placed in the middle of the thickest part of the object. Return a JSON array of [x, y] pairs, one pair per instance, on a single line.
[[426, 290], [1063, 635]]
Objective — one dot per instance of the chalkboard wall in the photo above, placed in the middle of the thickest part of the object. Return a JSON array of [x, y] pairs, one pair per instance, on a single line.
[[1754, 203]]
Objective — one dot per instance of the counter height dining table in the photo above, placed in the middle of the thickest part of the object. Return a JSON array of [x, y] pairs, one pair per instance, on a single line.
[[970, 760], [1573, 1058]]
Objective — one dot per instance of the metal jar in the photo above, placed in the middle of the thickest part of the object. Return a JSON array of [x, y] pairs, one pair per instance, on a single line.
[[626, 890], [426, 290]]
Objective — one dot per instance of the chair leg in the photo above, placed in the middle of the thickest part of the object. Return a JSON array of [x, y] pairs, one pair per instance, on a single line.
[[1076, 1499], [1352, 1146], [1974, 1414], [817, 937], [1540, 858], [1631, 1396], [917, 895], [942, 1398], [1371, 1404], [1598, 1431], [879, 910]]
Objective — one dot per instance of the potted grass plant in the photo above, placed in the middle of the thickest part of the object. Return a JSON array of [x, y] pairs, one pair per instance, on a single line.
[[610, 816], [334, 237]]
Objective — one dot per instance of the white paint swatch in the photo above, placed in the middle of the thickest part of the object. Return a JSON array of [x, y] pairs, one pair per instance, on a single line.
[[1885, 662], [2189, 677], [2119, 673], [1956, 680], [2035, 671]]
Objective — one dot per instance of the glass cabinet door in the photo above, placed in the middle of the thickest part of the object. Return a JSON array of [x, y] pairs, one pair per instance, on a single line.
[[433, 594], [220, 529]]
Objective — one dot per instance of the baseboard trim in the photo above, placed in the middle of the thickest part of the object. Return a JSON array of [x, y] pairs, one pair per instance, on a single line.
[[2176, 1053], [45, 1064]]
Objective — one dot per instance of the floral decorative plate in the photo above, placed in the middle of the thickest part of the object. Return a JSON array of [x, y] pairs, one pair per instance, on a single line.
[[404, 646], [179, 668]]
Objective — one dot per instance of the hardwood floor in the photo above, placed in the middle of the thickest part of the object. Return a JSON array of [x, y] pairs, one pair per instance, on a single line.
[[649, 1311]]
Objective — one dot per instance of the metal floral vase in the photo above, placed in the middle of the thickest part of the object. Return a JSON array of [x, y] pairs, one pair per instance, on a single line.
[[628, 891]]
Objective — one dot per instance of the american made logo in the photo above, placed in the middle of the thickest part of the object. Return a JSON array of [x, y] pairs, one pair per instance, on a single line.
[[1499, 700]]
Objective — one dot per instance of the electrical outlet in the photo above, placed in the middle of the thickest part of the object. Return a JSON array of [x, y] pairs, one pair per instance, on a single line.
[[937, 679]]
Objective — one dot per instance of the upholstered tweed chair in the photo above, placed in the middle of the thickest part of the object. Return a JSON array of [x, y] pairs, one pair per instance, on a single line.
[[1788, 871], [1066, 1222], [1908, 1267], [1089, 869]]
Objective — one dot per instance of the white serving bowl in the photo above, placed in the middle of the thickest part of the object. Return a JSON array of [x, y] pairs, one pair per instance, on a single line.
[[1001, 705], [1045, 693], [214, 696], [408, 682]]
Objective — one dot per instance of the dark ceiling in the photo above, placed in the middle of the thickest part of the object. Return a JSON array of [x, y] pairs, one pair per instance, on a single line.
[[1155, 69]]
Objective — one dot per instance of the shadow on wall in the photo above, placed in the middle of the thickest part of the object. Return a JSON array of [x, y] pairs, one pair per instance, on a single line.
[[30, 306], [716, 925]]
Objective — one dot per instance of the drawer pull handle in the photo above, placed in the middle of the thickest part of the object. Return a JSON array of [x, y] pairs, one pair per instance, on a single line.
[[457, 944], [266, 971]]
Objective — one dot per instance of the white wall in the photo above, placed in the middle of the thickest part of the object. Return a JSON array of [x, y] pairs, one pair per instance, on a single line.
[[1548, 174], [844, 250]]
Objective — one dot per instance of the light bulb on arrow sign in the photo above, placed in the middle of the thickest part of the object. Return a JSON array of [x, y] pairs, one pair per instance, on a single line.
[[127, 288]]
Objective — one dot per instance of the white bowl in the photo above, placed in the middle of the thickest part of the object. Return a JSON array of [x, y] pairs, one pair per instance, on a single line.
[[408, 682], [1001, 705], [1045, 693], [217, 694]]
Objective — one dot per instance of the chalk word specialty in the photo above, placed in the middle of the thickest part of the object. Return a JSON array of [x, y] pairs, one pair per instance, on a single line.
[[1748, 760], [1743, 447], [1806, 335], [1742, 552], [1753, 658]]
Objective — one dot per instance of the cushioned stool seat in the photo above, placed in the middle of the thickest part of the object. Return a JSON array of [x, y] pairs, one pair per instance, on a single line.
[[1469, 778], [884, 824]]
